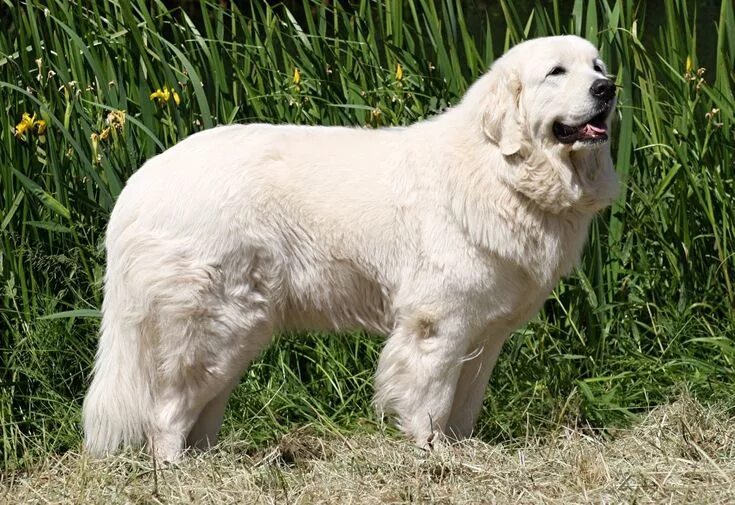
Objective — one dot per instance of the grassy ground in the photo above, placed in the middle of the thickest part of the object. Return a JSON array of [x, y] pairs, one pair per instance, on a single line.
[[682, 453], [648, 313]]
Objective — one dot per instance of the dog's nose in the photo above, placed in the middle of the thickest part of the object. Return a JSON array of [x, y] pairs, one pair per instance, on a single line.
[[603, 89]]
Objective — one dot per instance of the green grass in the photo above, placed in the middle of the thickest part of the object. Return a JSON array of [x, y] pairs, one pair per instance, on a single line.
[[650, 310]]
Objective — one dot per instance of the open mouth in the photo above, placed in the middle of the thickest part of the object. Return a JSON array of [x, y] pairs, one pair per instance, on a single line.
[[593, 131]]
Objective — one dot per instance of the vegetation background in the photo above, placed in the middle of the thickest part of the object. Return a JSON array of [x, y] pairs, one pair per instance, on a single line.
[[648, 314]]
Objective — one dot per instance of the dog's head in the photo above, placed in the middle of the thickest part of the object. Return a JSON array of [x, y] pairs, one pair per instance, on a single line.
[[548, 105]]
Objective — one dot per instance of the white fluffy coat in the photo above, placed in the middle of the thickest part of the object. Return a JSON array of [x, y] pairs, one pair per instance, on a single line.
[[445, 236]]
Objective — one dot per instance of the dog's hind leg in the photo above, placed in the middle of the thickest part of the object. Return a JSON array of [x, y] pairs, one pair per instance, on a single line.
[[205, 431], [193, 388], [213, 322]]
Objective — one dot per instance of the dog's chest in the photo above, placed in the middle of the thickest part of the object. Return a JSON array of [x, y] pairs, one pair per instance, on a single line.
[[505, 272], [550, 249], [542, 246]]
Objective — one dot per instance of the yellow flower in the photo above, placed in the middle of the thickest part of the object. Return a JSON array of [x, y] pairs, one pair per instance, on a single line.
[[26, 124], [116, 119], [40, 127], [689, 65], [115, 122], [162, 95], [296, 76], [165, 94], [399, 72]]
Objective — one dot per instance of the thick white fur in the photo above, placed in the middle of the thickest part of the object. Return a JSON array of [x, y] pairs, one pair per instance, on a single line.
[[445, 236]]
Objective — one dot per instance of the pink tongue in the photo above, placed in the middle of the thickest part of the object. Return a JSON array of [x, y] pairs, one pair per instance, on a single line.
[[590, 130]]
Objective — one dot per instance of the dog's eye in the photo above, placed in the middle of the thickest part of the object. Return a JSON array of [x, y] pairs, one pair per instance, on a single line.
[[598, 68], [557, 71]]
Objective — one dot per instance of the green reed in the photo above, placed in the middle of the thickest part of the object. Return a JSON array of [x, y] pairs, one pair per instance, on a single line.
[[649, 311]]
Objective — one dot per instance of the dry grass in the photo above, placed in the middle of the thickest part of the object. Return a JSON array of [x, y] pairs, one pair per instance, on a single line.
[[682, 453]]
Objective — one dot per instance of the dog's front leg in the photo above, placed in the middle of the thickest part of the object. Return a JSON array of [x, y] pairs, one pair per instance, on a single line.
[[471, 386], [418, 372]]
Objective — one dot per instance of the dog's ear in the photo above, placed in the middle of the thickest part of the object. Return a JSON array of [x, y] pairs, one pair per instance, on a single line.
[[501, 117]]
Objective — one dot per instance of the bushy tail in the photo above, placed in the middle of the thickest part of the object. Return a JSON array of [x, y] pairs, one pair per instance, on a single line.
[[118, 405]]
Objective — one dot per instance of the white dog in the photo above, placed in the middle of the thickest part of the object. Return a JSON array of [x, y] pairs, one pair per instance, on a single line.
[[445, 236]]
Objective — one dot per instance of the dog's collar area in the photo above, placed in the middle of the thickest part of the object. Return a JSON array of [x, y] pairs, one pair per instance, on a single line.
[[594, 130]]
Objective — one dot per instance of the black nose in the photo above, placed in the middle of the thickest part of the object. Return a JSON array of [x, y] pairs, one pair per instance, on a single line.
[[603, 89]]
